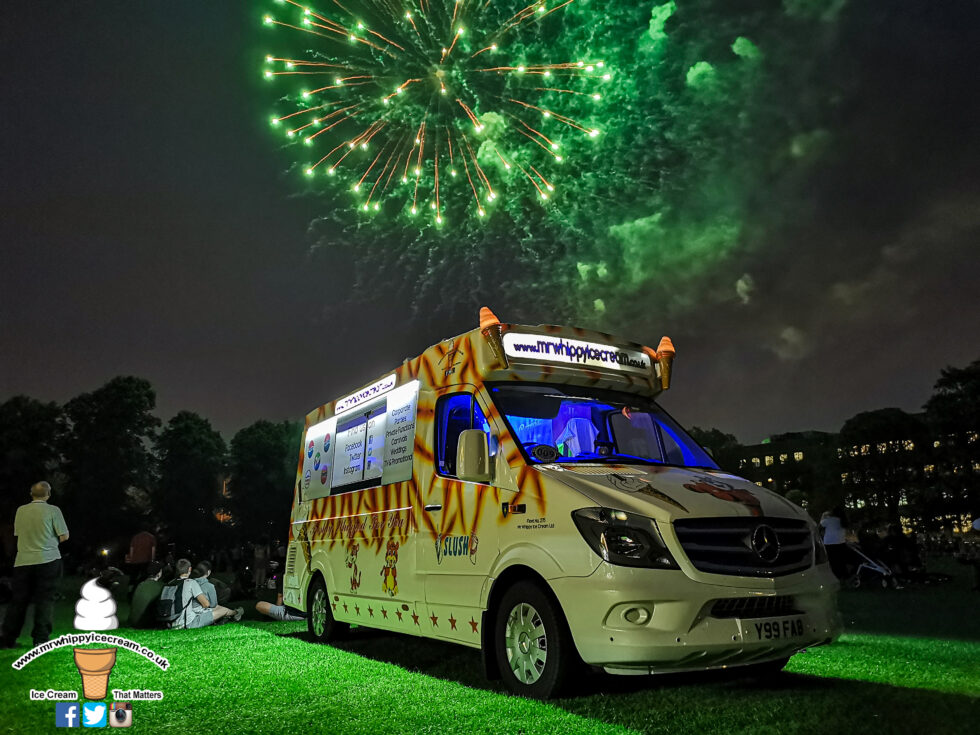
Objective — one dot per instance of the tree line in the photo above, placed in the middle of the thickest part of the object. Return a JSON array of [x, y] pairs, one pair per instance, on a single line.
[[115, 466], [886, 465]]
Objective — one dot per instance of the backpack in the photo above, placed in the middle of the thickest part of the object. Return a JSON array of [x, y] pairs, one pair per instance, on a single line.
[[169, 607]]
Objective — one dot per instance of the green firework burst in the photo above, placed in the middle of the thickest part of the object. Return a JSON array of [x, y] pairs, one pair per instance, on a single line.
[[432, 110]]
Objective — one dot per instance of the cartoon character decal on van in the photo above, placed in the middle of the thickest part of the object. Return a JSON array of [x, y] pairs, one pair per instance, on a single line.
[[355, 576], [632, 484], [389, 573], [724, 491]]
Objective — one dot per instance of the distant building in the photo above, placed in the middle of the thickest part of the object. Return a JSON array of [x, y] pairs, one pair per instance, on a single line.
[[785, 462], [907, 472]]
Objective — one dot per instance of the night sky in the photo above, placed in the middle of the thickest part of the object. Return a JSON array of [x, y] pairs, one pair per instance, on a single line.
[[149, 227]]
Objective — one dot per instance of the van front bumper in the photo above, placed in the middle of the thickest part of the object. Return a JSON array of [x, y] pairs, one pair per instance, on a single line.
[[630, 620]]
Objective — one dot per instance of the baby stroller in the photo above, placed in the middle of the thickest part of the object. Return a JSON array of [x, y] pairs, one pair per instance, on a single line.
[[870, 571]]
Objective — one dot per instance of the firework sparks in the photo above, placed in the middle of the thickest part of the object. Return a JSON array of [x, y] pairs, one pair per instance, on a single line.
[[433, 105]]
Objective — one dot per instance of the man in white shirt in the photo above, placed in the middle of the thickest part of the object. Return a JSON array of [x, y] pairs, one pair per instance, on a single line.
[[834, 526], [39, 529], [196, 610]]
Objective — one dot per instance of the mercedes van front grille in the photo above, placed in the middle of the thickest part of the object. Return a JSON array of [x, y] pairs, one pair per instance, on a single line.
[[754, 607], [746, 547]]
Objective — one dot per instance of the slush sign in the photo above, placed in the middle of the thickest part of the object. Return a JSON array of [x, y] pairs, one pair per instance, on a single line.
[[574, 352]]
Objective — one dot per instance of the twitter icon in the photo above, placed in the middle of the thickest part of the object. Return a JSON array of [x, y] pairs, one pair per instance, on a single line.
[[94, 714]]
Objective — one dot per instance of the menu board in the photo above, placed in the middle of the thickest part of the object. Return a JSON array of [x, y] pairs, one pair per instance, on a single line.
[[400, 433], [375, 441], [318, 454]]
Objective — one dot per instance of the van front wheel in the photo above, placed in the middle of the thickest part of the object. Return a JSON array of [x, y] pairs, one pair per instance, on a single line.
[[320, 620], [535, 652]]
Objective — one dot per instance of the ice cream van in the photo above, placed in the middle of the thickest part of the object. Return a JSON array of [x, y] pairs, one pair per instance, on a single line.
[[517, 489]]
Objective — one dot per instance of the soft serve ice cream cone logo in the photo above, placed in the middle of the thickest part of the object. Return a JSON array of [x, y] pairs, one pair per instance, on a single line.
[[95, 611]]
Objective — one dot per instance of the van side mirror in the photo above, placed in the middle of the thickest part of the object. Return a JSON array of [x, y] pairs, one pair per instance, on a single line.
[[473, 456]]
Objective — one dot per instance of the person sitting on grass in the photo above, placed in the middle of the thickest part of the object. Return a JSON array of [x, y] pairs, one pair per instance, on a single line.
[[279, 611], [218, 592], [142, 609], [196, 610]]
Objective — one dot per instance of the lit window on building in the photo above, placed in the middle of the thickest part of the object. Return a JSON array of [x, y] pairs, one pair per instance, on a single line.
[[768, 460], [840, 453], [908, 445], [882, 447], [844, 476], [859, 503], [759, 484], [976, 466], [929, 469], [971, 437], [741, 463], [798, 456], [755, 462], [865, 449], [783, 458], [935, 444]]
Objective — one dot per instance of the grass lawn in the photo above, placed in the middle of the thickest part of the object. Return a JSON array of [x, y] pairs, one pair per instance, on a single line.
[[909, 662]]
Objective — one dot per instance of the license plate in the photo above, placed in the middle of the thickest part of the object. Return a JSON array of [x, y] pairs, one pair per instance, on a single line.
[[774, 629]]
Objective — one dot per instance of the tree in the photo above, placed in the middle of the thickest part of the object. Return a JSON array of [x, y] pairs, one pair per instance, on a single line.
[[714, 439], [953, 412], [30, 448], [883, 454], [263, 470], [192, 458], [107, 453]]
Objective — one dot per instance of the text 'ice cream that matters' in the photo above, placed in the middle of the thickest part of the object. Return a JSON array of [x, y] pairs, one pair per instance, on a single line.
[[95, 611]]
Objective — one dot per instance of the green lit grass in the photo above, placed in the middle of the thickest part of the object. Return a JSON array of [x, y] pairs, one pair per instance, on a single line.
[[910, 662]]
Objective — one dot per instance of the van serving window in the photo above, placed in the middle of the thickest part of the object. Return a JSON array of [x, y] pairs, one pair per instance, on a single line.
[[455, 414]]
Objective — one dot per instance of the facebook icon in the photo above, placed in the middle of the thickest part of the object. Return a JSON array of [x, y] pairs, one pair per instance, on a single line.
[[66, 714]]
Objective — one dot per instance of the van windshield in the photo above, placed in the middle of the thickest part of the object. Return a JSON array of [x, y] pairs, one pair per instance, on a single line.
[[593, 425]]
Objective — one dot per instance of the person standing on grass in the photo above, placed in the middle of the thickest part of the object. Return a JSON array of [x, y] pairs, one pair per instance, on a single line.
[[196, 609], [969, 552], [39, 529], [260, 558], [142, 550], [834, 525]]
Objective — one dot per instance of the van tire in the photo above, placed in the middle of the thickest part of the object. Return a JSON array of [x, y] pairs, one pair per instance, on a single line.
[[320, 621], [535, 652]]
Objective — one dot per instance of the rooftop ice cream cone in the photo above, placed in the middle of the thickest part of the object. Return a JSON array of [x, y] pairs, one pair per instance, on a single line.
[[665, 357], [95, 611]]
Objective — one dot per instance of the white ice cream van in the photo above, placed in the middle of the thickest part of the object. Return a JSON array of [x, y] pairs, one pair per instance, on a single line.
[[517, 489]]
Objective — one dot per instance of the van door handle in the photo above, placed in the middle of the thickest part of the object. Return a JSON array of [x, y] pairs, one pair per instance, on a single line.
[[433, 508]]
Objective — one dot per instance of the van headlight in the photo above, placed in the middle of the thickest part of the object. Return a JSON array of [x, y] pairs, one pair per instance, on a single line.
[[623, 538]]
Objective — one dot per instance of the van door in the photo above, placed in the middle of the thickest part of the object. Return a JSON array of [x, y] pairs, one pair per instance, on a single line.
[[457, 541]]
